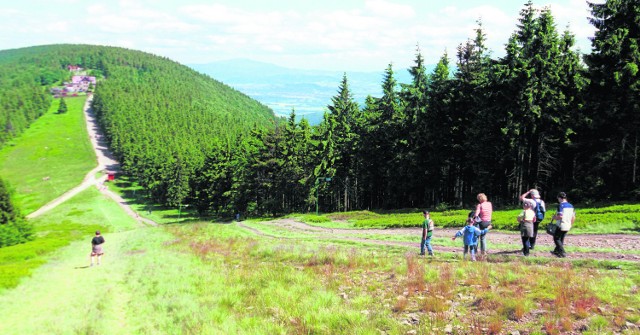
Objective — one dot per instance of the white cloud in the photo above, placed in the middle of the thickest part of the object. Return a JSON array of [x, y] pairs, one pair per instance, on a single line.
[[59, 27], [115, 24], [215, 13], [96, 9], [389, 9], [355, 35]]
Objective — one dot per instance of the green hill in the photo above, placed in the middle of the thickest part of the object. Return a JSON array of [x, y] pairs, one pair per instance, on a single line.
[[162, 119]]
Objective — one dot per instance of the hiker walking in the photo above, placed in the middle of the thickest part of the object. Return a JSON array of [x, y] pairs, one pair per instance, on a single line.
[[483, 212], [96, 247], [565, 217], [427, 233], [539, 208]]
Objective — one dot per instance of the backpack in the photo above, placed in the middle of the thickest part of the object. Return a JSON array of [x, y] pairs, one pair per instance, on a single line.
[[539, 212]]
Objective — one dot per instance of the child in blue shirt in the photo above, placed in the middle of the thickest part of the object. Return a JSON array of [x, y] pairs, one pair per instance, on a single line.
[[470, 235]]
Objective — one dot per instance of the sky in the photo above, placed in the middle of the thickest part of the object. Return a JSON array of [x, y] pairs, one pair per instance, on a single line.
[[336, 35]]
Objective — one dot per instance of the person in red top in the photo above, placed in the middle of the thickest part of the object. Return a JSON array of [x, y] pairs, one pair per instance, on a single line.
[[484, 209]]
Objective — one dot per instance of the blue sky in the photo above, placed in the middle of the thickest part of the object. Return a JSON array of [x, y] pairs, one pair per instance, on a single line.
[[343, 35]]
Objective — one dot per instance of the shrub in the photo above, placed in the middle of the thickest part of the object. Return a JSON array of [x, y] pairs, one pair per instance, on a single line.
[[15, 232]]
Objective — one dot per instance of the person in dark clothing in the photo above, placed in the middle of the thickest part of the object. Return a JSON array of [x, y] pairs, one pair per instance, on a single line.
[[96, 247]]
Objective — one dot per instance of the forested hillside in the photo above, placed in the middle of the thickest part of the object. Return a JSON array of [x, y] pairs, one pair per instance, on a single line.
[[23, 97], [162, 119]]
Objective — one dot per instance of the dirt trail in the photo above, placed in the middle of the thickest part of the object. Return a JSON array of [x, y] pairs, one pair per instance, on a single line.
[[615, 244], [106, 162]]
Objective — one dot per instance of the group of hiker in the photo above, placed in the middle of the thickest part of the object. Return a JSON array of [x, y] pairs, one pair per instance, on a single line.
[[478, 224]]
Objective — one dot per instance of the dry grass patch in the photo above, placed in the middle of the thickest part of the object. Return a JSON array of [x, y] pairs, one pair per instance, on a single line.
[[427, 296], [415, 275]]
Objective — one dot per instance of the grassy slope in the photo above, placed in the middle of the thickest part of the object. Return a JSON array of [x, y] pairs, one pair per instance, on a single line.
[[219, 279], [55, 146], [75, 219]]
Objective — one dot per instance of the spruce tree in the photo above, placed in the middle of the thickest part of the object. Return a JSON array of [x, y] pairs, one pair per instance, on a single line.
[[63, 106], [471, 127], [614, 99], [407, 186], [13, 228], [8, 213], [345, 115]]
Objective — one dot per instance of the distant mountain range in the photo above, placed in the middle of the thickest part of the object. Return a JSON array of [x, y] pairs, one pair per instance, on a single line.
[[282, 89]]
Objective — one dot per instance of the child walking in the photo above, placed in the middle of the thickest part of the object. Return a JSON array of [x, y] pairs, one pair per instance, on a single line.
[[470, 235], [427, 233]]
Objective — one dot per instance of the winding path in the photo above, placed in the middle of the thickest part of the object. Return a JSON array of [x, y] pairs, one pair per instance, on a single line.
[[106, 162]]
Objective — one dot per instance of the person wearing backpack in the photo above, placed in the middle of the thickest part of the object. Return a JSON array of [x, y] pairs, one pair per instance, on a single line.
[[539, 207]]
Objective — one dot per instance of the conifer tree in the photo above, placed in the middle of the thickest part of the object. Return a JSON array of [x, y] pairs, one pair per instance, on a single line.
[[614, 98], [406, 187], [8, 213], [13, 228], [536, 99], [437, 145], [344, 120], [383, 119], [63, 106], [471, 126]]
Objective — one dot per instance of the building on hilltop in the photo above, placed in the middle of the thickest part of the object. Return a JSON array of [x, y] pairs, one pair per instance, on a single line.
[[74, 68], [83, 79], [77, 84]]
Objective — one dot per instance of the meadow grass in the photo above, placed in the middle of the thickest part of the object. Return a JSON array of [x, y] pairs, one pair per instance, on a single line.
[[402, 283], [75, 219], [197, 278], [52, 156]]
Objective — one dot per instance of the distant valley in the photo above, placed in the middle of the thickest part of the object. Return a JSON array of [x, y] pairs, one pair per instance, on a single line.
[[282, 89]]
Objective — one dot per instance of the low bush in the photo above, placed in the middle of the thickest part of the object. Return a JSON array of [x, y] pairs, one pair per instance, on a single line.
[[15, 233]]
